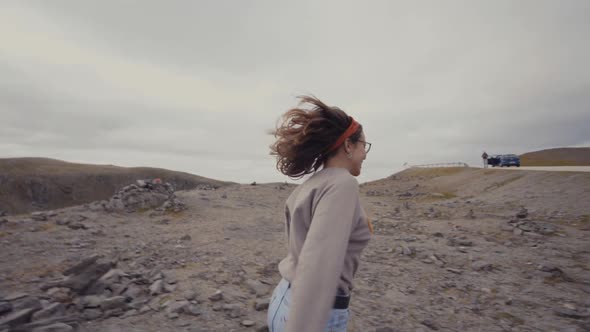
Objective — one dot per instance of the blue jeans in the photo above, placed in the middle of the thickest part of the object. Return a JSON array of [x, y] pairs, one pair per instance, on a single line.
[[278, 311]]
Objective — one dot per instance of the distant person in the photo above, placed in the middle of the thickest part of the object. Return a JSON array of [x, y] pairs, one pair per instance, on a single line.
[[326, 226], [484, 156]]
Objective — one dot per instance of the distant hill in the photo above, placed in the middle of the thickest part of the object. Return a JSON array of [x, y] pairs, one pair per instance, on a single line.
[[557, 157], [32, 184]]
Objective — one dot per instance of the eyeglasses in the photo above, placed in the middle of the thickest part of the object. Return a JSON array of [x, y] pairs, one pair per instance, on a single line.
[[367, 146]]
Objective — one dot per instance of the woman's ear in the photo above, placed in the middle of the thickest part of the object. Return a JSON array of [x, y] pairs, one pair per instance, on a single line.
[[347, 146]]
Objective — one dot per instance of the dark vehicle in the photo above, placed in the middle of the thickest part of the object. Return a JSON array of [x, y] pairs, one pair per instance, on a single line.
[[508, 160], [494, 160]]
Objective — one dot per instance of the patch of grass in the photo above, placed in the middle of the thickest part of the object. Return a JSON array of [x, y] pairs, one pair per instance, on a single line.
[[582, 266], [508, 317], [564, 222], [457, 295], [512, 204], [553, 280], [579, 224], [557, 157], [175, 215], [42, 270], [191, 265], [143, 210], [435, 171], [165, 299], [440, 196], [531, 162], [448, 195], [503, 183], [46, 227], [3, 234]]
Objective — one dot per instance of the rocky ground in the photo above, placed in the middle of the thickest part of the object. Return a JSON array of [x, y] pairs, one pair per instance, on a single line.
[[453, 250]]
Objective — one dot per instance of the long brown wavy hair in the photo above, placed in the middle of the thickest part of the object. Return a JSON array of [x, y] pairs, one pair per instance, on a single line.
[[306, 134]]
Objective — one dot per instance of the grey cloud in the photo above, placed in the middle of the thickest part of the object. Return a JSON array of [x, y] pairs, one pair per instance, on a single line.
[[214, 36], [180, 84]]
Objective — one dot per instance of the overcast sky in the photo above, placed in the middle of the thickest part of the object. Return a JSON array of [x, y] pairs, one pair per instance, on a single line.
[[196, 85]]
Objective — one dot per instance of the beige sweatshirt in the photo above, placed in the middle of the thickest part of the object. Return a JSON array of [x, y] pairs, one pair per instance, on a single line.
[[327, 230]]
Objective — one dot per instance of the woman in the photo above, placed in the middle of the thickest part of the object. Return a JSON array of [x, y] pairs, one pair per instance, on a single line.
[[326, 227]]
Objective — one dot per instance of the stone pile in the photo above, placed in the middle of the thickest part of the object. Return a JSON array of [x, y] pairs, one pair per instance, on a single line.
[[522, 213], [92, 289], [374, 193], [144, 195], [206, 187], [528, 227], [432, 213]]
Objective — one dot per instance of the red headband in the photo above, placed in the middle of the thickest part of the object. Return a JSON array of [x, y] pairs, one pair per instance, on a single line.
[[351, 130]]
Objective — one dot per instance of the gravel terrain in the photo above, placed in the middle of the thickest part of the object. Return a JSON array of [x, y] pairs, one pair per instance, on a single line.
[[457, 249]]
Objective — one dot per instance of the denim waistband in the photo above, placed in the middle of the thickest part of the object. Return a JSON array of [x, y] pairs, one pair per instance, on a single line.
[[341, 300]]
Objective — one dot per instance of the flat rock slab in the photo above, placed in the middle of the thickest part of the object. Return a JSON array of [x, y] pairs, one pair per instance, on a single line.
[[87, 277], [117, 302], [564, 312], [78, 268], [482, 266], [15, 296], [5, 307], [57, 327], [17, 318], [54, 309], [69, 320], [92, 314], [27, 302], [91, 301]]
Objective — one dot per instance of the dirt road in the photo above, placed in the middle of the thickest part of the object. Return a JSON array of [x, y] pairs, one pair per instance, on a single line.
[[549, 168]]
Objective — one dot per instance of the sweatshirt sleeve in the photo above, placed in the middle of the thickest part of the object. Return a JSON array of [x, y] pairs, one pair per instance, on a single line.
[[322, 257]]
